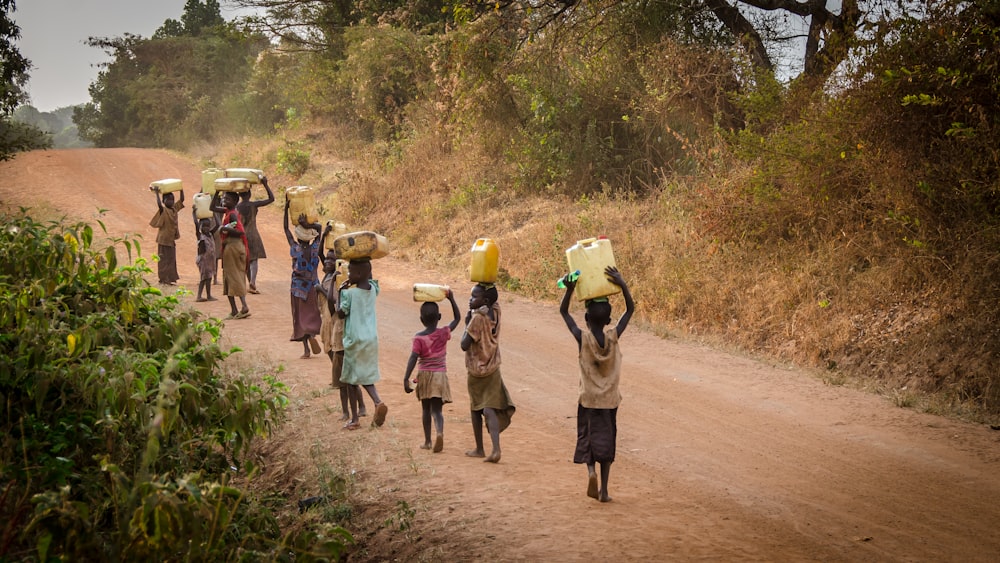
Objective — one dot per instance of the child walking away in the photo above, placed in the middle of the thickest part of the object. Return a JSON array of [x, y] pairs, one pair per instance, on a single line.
[[255, 245], [206, 257], [332, 331], [304, 248], [488, 397], [168, 231], [430, 347], [357, 307], [234, 253], [600, 369]]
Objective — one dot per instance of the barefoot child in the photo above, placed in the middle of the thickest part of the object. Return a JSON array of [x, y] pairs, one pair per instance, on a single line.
[[488, 397], [357, 307], [430, 346], [206, 257], [332, 331], [600, 368], [304, 248], [167, 233], [234, 253]]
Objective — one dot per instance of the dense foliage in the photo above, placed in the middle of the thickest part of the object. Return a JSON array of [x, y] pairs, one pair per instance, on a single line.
[[122, 437], [15, 136], [188, 82]]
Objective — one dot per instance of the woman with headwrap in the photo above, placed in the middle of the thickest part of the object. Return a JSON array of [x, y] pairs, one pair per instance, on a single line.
[[304, 248]]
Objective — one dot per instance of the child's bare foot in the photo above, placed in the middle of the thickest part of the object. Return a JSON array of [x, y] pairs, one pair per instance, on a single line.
[[605, 497], [475, 453], [210, 298], [439, 443], [592, 488], [345, 416], [305, 356], [363, 412], [201, 300], [425, 446], [380, 411], [494, 456]]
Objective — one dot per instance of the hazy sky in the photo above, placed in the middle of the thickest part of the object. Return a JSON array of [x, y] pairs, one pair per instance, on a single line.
[[53, 34]]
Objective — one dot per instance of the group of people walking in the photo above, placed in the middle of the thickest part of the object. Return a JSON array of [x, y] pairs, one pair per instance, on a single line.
[[342, 313]]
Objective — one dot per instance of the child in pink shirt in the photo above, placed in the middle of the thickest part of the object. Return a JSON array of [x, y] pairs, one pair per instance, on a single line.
[[430, 346]]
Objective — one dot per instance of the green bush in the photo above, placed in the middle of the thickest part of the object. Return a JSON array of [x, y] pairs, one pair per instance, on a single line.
[[120, 435]]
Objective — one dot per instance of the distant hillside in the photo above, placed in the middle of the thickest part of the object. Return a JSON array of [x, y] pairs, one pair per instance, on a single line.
[[58, 123]]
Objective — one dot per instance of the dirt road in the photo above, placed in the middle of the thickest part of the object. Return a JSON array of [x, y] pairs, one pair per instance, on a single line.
[[719, 457]]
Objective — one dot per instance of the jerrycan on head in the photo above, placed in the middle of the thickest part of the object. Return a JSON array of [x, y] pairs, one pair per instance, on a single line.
[[336, 229], [251, 175], [234, 185], [167, 186], [591, 256], [208, 178], [203, 205], [360, 245], [423, 292], [301, 199], [485, 265]]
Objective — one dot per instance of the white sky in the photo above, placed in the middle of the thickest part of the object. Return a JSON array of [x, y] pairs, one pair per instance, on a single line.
[[53, 34]]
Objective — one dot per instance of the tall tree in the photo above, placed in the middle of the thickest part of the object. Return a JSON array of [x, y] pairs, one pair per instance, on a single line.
[[14, 67]]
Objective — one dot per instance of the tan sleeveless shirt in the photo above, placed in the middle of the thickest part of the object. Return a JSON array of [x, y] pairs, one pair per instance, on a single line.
[[600, 369]]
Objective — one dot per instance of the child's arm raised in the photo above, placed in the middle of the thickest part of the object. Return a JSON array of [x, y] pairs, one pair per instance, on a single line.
[[270, 194], [616, 278], [284, 222], [454, 309], [564, 309], [410, 364]]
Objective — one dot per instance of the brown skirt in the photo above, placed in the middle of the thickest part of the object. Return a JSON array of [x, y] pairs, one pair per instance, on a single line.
[[489, 392], [433, 384], [167, 266], [596, 435], [234, 268], [306, 321]]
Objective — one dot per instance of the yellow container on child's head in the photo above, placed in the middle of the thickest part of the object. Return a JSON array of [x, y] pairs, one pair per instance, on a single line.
[[202, 205], [234, 185], [591, 257], [208, 178], [485, 265], [336, 229], [166, 186], [359, 245], [430, 292], [251, 175], [301, 199]]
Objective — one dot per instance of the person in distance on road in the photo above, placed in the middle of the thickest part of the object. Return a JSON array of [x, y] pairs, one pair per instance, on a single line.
[[167, 233], [206, 261], [234, 253], [357, 307], [489, 400], [430, 347], [248, 213], [304, 248], [600, 370]]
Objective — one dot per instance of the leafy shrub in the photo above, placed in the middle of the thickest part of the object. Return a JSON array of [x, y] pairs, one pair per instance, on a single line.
[[120, 436]]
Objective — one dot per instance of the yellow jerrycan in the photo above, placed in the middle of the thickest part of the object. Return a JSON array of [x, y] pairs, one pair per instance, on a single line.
[[251, 175], [301, 199], [485, 261], [336, 229], [208, 178], [203, 205], [423, 292], [234, 185], [591, 256], [167, 186], [361, 244]]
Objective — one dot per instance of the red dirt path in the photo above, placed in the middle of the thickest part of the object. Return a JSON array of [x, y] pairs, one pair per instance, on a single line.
[[720, 457]]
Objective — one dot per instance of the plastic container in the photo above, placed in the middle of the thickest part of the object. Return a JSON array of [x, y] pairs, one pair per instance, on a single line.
[[251, 175], [336, 229], [301, 199], [485, 261], [591, 256], [167, 186], [362, 244], [208, 178], [235, 185], [430, 292], [203, 205]]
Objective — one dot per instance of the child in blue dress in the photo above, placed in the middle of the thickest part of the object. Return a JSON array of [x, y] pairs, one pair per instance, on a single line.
[[357, 307]]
